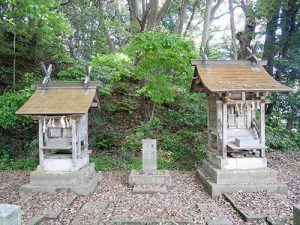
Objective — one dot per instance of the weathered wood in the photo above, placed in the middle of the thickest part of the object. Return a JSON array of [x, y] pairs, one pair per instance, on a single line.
[[41, 144], [74, 143], [196, 62], [58, 102], [67, 85], [262, 127], [47, 74], [228, 78], [224, 131]]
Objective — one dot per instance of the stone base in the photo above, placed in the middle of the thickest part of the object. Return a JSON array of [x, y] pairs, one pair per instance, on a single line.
[[219, 181], [10, 214], [143, 183], [83, 182]]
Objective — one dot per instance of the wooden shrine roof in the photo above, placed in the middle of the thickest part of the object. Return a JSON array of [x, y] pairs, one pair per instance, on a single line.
[[233, 76], [60, 98]]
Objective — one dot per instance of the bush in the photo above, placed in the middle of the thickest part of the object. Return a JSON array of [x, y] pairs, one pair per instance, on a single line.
[[129, 148], [103, 140], [282, 139], [10, 102], [6, 163]]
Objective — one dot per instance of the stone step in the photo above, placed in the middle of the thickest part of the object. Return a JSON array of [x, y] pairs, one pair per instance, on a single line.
[[239, 132], [246, 141], [239, 176], [96, 209], [149, 189]]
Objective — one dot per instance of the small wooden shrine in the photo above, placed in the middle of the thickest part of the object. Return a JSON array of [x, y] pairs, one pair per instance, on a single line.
[[237, 95], [61, 109]]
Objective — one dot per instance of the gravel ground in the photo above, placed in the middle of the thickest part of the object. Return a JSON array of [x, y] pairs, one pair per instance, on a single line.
[[10, 181], [180, 203], [40, 204]]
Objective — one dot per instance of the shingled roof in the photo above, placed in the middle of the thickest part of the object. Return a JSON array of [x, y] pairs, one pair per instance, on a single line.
[[233, 76], [60, 98]]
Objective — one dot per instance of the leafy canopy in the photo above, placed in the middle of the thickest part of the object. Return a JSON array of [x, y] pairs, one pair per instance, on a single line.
[[161, 63]]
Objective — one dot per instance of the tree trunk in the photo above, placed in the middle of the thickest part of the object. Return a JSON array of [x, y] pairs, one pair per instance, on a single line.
[[232, 28], [162, 13], [289, 25], [269, 45], [245, 37], [206, 26], [181, 16], [151, 23], [133, 11], [188, 26]]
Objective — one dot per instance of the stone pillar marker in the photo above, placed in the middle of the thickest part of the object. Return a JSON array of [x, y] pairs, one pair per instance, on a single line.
[[10, 214], [149, 156], [149, 180]]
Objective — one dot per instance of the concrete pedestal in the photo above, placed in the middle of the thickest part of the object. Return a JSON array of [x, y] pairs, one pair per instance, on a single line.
[[10, 214], [82, 182], [236, 174]]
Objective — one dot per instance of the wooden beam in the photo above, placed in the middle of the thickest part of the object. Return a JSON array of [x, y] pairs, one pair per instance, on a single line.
[[74, 144], [195, 62], [69, 85], [224, 130], [262, 128], [41, 145]]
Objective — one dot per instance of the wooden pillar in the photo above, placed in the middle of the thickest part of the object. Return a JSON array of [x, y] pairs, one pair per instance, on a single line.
[[208, 128], [262, 128], [41, 145], [74, 144], [224, 129]]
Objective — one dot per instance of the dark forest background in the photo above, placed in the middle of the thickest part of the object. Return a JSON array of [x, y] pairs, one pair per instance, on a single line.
[[140, 50]]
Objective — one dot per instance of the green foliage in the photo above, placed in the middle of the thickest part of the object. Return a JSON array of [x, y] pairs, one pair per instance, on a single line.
[[127, 105], [103, 139], [129, 148], [10, 102], [162, 63], [108, 69], [281, 139], [7, 164], [104, 161]]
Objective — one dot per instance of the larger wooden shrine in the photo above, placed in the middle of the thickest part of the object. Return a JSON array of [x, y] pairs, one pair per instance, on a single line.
[[61, 109], [237, 97]]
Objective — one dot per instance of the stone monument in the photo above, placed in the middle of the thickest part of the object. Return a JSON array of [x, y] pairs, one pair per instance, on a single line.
[[149, 180], [10, 214]]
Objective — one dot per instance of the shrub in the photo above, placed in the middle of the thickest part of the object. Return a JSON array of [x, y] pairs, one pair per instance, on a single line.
[[10, 102], [104, 140]]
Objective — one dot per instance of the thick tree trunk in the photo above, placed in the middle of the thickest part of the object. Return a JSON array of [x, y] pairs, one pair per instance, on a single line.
[[151, 23], [181, 16], [289, 26], [269, 45], [233, 31], [206, 26], [133, 11], [245, 37]]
